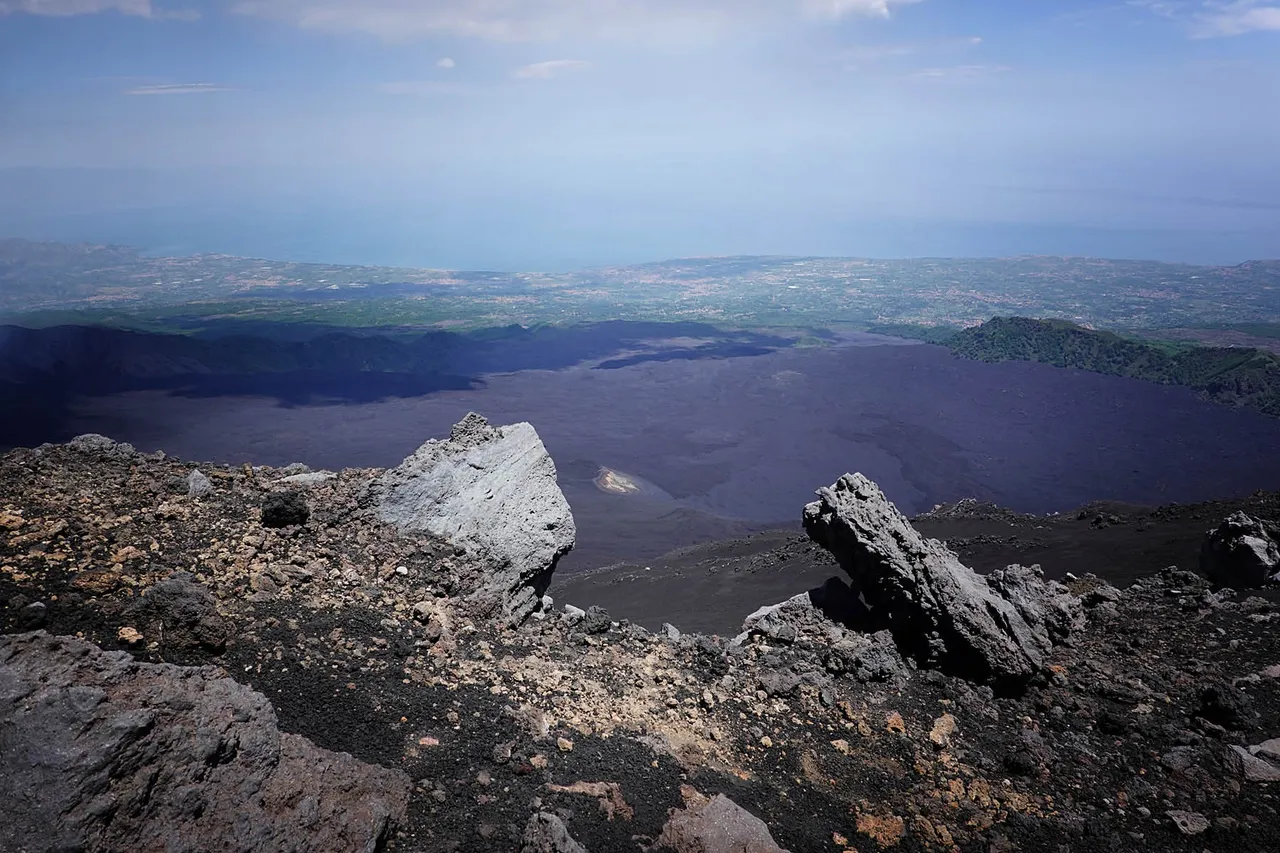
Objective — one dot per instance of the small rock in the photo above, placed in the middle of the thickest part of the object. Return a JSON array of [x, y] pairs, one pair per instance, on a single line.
[[546, 833], [1241, 553], [1188, 823], [198, 484], [1269, 749], [33, 616], [1253, 768], [564, 744], [596, 620], [715, 825], [129, 636], [307, 479], [1223, 705], [943, 728], [285, 509], [608, 794]]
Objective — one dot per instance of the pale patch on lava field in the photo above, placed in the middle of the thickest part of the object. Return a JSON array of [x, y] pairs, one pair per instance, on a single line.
[[615, 482]]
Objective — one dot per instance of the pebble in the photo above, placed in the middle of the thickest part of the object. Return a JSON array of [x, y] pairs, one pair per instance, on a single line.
[[129, 636]]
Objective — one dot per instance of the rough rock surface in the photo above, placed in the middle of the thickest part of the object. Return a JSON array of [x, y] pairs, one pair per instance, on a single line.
[[1241, 553], [715, 825], [180, 615], [493, 491], [939, 610], [100, 445], [546, 833], [98, 752], [285, 509], [198, 484], [357, 636]]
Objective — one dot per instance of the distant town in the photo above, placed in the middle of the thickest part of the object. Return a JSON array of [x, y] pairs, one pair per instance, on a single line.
[[48, 283]]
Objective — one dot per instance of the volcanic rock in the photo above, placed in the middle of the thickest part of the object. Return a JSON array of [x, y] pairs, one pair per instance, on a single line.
[[715, 825], [198, 485], [938, 609], [285, 509], [183, 613], [1241, 553], [546, 833], [596, 620], [1254, 768], [307, 478], [492, 491], [100, 445], [137, 756]]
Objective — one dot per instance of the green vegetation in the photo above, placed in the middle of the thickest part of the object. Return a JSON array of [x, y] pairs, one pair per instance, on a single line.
[[1234, 376]]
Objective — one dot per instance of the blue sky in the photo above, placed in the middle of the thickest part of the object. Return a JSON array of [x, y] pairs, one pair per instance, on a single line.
[[554, 133]]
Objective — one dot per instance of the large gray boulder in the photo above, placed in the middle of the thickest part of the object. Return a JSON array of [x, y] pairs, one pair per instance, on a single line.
[[1241, 553], [939, 610], [492, 491], [99, 752]]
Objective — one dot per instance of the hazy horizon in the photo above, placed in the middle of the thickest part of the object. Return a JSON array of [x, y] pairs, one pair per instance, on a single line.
[[559, 134]]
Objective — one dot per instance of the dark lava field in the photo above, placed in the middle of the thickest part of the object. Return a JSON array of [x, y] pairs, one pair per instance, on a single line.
[[727, 446]]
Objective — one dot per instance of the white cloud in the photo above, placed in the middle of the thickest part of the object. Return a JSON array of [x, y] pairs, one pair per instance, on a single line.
[[1237, 18], [550, 68], [67, 8], [1217, 18], [546, 20], [178, 89], [446, 62]]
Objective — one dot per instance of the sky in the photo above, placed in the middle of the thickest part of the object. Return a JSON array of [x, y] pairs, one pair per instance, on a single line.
[[552, 134]]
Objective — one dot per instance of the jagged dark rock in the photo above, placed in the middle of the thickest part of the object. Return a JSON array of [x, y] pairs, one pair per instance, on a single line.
[[491, 491], [1241, 553], [939, 610], [285, 509], [135, 756], [595, 621], [181, 615]]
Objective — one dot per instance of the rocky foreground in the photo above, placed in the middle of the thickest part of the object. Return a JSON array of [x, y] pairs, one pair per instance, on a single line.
[[212, 658]]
